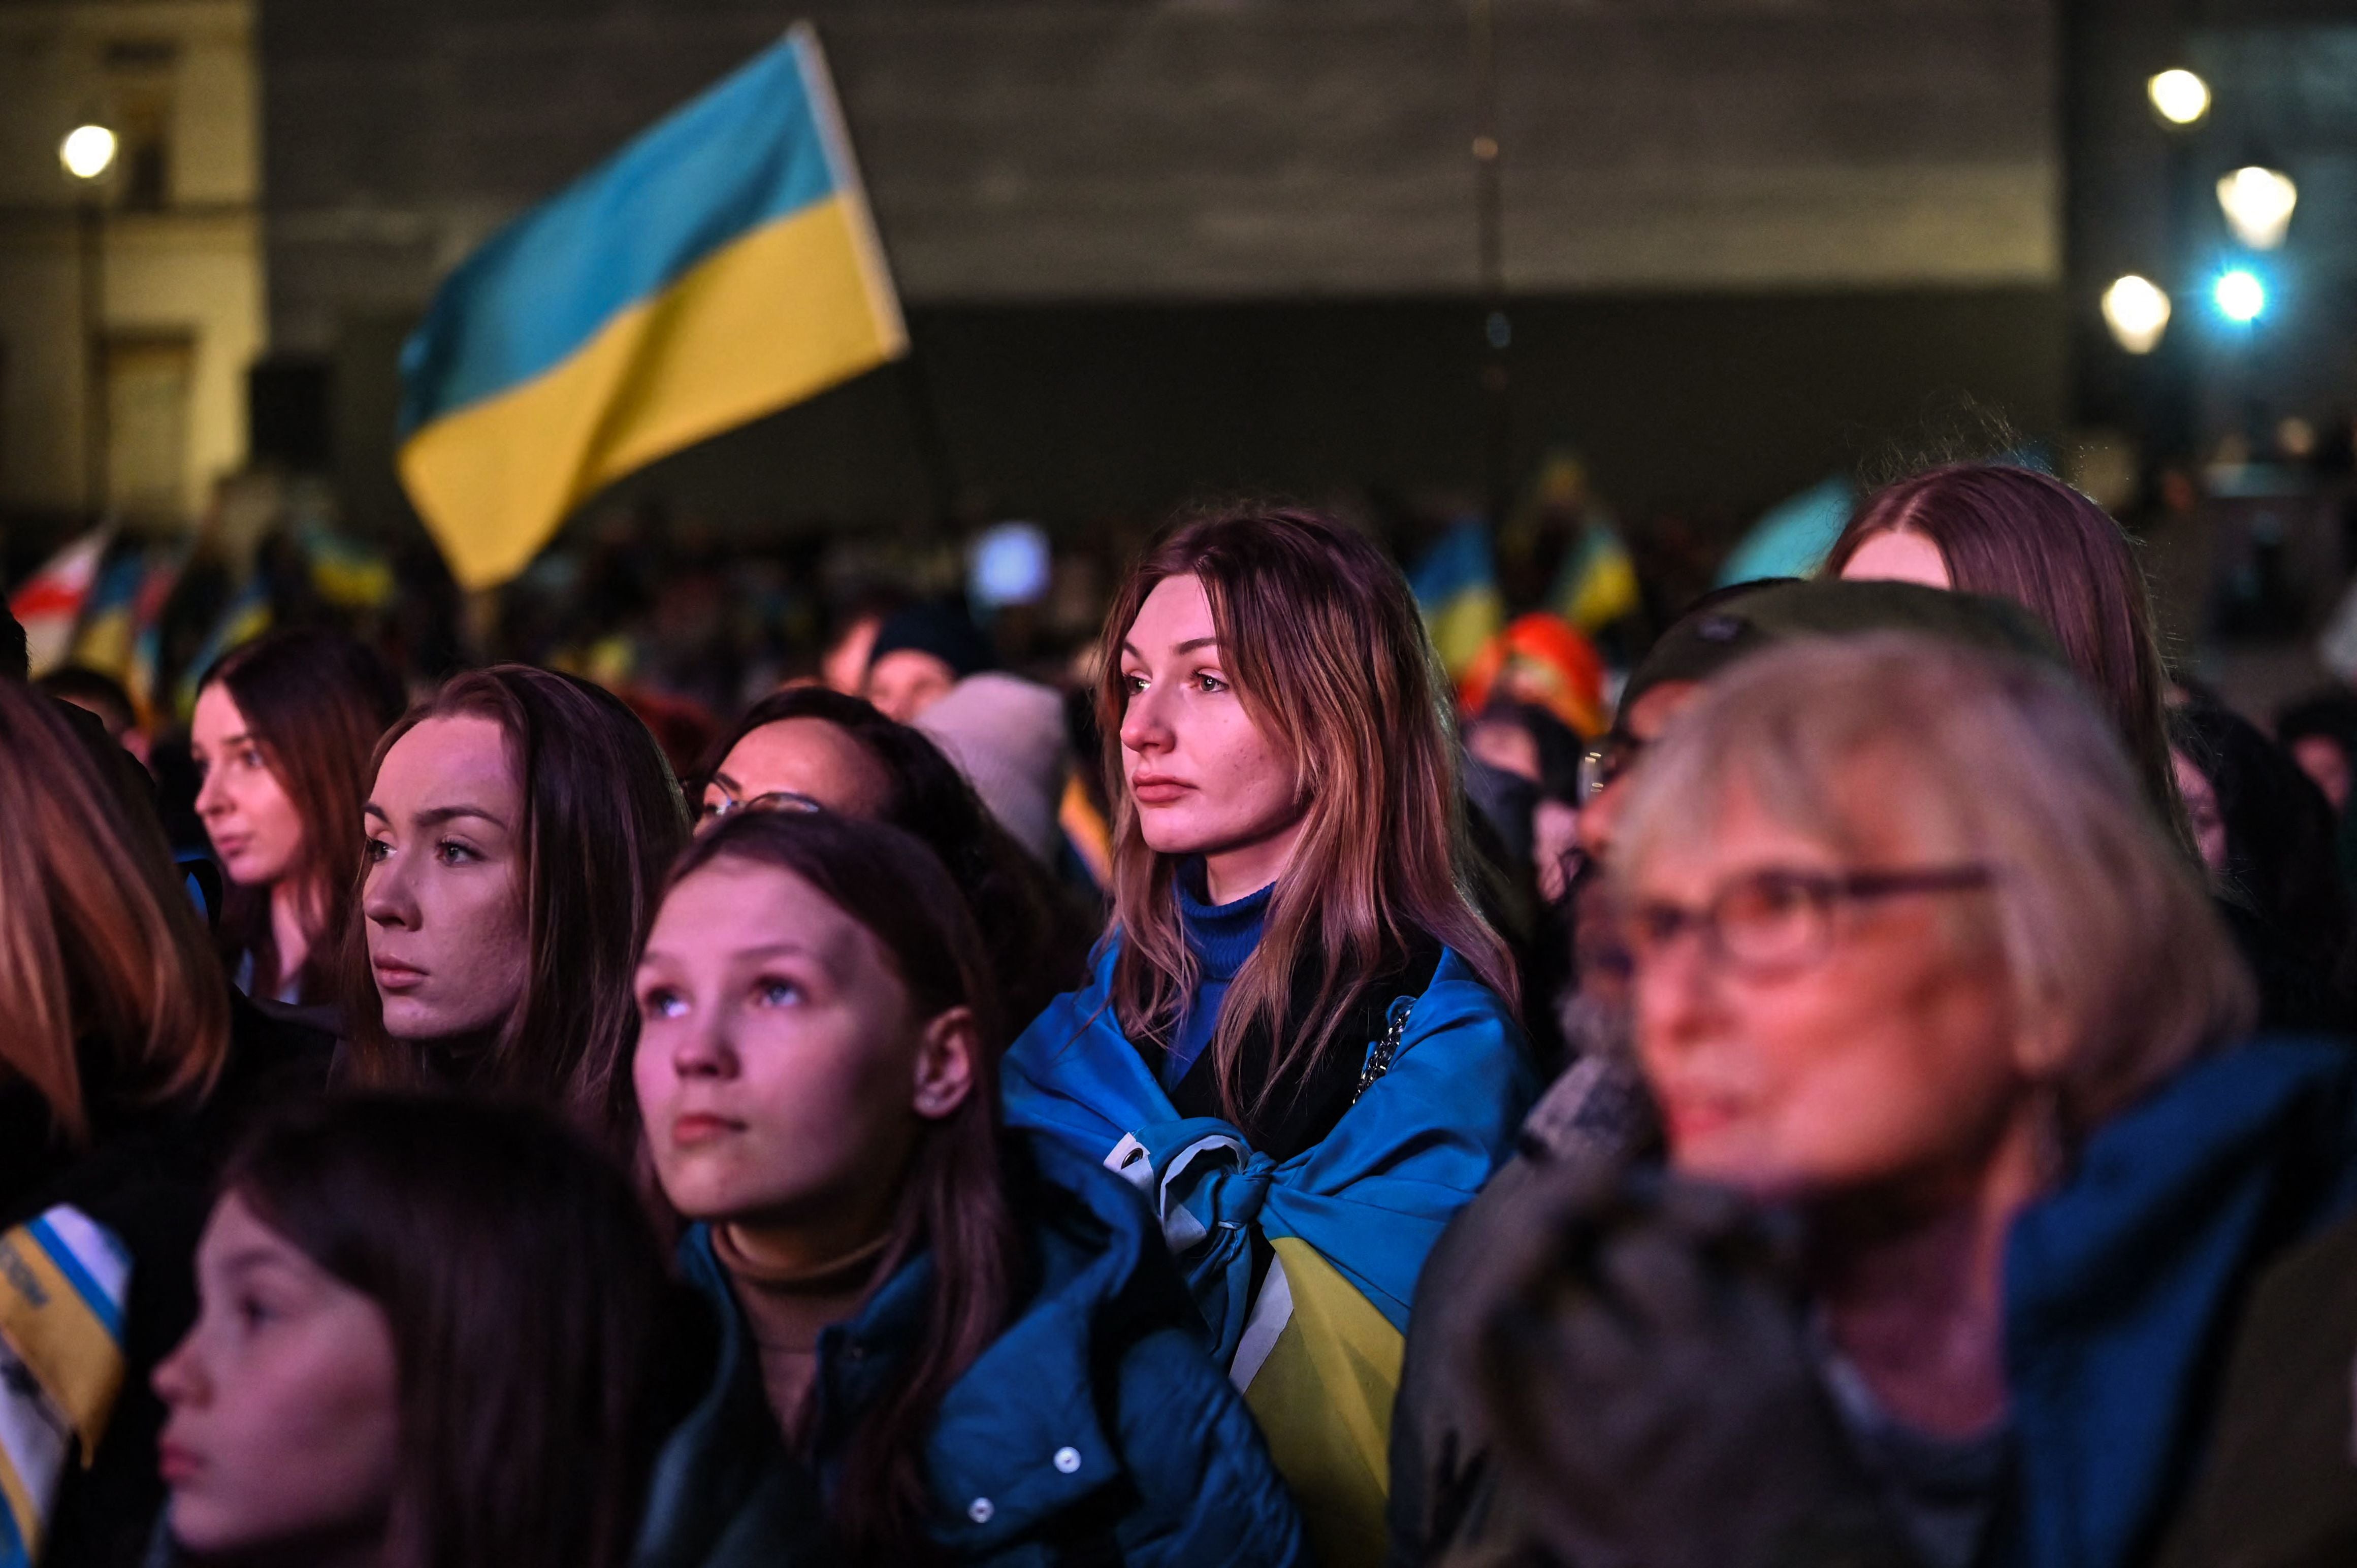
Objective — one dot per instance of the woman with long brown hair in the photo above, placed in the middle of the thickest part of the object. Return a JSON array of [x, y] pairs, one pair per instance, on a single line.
[[127, 1064], [937, 1345], [282, 735], [2014, 533], [518, 821], [1298, 1040]]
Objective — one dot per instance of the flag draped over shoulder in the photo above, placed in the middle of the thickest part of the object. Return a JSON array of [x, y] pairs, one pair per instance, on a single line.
[[1316, 1349], [63, 1284], [721, 266]]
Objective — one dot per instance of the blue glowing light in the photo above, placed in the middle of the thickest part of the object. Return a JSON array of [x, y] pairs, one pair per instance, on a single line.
[[2240, 296]]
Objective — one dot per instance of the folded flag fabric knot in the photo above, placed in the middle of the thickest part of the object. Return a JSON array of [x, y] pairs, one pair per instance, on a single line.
[[63, 1279]]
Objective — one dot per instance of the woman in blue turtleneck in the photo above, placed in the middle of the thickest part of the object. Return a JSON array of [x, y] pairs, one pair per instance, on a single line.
[[1221, 936], [1297, 1040]]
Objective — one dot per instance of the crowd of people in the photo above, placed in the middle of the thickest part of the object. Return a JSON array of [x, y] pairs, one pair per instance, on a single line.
[[1875, 1091]]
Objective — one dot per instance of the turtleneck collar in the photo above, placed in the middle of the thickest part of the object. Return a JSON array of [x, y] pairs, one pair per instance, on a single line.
[[1222, 935]]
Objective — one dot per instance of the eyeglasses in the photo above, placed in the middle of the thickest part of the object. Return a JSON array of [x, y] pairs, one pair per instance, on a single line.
[[728, 805], [1603, 762], [1777, 921]]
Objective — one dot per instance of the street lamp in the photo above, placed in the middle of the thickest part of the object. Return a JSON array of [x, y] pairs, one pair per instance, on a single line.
[[2239, 297], [2258, 203], [2179, 97], [88, 151], [2136, 311]]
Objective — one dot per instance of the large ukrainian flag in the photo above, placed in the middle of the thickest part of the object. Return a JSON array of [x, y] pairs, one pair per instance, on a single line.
[[721, 266]]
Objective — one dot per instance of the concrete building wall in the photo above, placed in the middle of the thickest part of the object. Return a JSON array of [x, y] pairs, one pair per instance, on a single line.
[[1217, 242], [178, 260], [1066, 149]]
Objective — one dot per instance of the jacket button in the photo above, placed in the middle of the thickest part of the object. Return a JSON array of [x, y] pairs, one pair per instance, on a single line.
[[979, 1511], [1067, 1460]]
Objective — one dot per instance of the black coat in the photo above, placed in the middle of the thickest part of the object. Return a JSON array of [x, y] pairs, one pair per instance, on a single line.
[[147, 1175]]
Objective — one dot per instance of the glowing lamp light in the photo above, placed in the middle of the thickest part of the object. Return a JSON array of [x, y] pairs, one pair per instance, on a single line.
[[2258, 203], [2179, 97], [2136, 311], [2240, 296], [87, 152]]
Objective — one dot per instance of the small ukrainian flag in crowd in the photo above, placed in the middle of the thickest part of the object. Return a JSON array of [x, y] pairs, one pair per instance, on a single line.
[[1456, 586], [63, 1282], [1597, 583], [720, 267]]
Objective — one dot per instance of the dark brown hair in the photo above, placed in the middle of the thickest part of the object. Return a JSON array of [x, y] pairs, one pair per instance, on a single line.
[[1038, 945], [102, 957], [2014, 533], [314, 703], [529, 1307], [953, 1199], [1329, 657], [602, 818]]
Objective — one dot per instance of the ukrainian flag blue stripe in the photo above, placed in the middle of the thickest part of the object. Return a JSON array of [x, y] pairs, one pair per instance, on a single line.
[[93, 1295], [13, 1550], [693, 184]]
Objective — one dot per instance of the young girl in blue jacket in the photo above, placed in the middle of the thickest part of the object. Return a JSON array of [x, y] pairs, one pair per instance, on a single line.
[[1299, 1042], [934, 1345]]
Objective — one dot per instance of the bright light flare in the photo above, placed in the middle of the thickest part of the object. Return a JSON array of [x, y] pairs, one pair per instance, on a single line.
[[2258, 203], [2136, 311], [2179, 97], [87, 152], [2240, 296]]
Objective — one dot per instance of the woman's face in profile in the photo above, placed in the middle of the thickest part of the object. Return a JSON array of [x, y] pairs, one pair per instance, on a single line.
[[1879, 1054], [443, 895], [284, 1423], [1205, 778], [255, 828]]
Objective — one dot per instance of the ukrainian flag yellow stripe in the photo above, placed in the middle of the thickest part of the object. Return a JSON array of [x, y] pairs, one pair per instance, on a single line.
[[789, 310], [58, 1336], [1323, 1398]]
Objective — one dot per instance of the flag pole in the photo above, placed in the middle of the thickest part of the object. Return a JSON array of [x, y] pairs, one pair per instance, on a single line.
[[1490, 247]]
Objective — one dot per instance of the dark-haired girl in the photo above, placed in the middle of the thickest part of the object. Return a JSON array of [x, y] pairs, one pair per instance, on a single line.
[[433, 1336], [519, 822], [282, 735], [937, 1347], [808, 746], [1298, 1041]]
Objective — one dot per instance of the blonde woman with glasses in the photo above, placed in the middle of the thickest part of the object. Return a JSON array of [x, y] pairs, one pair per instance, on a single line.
[[1918, 973]]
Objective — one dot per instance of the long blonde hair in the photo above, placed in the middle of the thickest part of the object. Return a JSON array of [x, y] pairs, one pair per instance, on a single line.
[[1329, 657], [100, 946]]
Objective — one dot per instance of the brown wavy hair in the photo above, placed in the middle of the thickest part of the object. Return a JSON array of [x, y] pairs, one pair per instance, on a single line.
[[602, 819], [315, 702], [101, 950], [953, 1197], [1329, 658], [2014, 533]]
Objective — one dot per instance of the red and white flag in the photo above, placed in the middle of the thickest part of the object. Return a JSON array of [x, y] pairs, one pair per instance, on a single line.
[[49, 603]]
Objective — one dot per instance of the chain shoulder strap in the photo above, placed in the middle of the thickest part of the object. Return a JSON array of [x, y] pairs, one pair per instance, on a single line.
[[1379, 1056]]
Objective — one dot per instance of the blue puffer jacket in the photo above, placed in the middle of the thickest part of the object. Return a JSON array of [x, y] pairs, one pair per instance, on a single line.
[[2122, 1287], [1096, 1429]]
